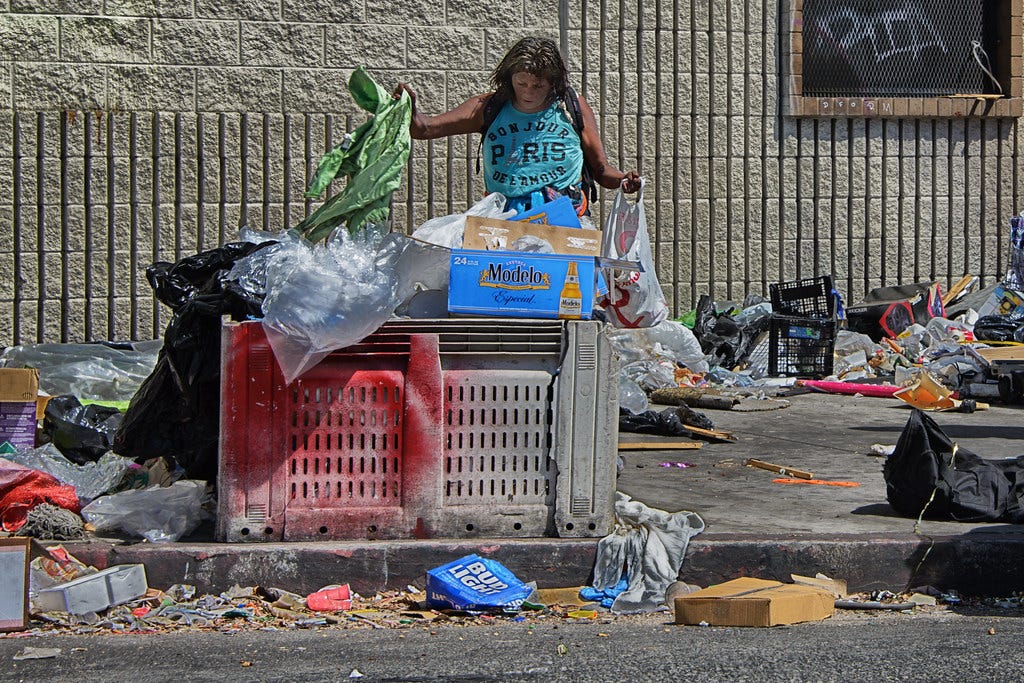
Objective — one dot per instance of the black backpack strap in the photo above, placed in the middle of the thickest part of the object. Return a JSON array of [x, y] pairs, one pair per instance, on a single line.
[[572, 105], [492, 107]]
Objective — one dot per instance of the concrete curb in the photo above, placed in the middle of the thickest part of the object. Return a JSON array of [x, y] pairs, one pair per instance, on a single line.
[[974, 564]]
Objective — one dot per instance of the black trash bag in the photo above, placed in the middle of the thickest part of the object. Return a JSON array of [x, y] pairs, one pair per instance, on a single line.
[[972, 490], [999, 328], [81, 433], [176, 411], [665, 423], [718, 334]]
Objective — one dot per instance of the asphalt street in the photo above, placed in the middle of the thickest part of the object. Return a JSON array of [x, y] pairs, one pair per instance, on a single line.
[[937, 645]]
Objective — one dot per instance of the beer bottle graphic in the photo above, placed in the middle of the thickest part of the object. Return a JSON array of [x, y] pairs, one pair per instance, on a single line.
[[570, 301]]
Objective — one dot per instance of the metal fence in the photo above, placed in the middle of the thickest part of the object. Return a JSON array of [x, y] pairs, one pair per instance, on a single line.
[[738, 195]]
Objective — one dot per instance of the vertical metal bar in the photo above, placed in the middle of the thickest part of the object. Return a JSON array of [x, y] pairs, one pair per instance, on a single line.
[[710, 155], [917, 198], [41, 226], [833, 236], [677, 186], [967, 204], [178, 175], [430, 178], [266, 171], [815, 196], [200, 183], [563, 27], [799, 195], [933, 251], [19, 285], [1001, 216], [729, 236], [949, 206], [884, 208], [133, 221], [901, 193], [65, 231], [87, 206], [694, 251], [222, 160], [286, 199], [307, 134], [111, 232], [659, 114], [155, 136], [766, 118], [243, 208], [867, 205], [747, 236], [449, 168], [983, 199], [849, 209]]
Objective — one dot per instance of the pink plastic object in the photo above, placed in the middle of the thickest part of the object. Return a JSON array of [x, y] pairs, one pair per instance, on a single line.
[[330, 599], [850, 388]]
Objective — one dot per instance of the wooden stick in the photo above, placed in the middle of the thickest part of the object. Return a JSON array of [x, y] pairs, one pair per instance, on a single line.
[[957, 288], [779, 469], [659, 445]]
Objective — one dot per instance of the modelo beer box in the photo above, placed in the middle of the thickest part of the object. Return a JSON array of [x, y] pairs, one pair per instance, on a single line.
[[887, 311], [523, 270], [520, 284]]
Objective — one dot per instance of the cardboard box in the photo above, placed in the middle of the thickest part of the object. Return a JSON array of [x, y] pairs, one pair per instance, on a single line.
[[492, 234], [94, 592], [19, 385], [514, 284], [14, 556], [754, 602]]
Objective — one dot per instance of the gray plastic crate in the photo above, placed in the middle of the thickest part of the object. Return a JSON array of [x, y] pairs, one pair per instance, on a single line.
[[445, 428]]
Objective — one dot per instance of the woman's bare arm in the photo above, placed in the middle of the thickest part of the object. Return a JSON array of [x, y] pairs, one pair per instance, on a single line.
[[605, 174], [468, 117]]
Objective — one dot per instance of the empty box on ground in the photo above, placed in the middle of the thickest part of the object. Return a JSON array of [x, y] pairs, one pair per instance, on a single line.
[[754, 602], [95, 592]]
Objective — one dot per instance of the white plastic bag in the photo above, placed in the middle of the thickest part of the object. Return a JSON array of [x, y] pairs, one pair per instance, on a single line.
[[634, 298], [447, 231], [157, 513]]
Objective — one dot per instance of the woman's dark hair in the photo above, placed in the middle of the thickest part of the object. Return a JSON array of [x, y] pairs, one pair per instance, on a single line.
[[537, 56]]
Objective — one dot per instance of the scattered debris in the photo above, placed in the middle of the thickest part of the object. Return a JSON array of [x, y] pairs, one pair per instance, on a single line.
[[779, 469]]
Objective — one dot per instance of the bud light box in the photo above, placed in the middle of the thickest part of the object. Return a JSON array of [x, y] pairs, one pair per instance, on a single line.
[[520, 284], [475, 583]]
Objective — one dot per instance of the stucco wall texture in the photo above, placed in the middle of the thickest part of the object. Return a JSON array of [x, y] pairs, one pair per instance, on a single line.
[[133, 131]]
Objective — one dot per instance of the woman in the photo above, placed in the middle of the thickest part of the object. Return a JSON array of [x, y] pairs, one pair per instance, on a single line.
[[532, 151]]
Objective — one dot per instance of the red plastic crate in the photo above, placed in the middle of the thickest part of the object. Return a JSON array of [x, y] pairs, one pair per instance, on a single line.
[[443, 429]]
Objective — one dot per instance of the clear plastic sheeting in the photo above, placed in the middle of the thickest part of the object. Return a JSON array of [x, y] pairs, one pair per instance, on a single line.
[[157, 514], [328, 296], [98, 372], [631, 396], [90, 480], [646, 548]]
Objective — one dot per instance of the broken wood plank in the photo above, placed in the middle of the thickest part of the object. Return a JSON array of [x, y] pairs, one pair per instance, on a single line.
[[779, 469], [711, 433], [659, 445]]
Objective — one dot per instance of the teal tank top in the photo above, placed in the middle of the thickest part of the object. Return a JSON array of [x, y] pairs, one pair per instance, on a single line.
[[524, 153]]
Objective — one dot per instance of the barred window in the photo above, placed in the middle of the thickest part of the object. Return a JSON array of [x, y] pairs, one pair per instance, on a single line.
[[904, 57]]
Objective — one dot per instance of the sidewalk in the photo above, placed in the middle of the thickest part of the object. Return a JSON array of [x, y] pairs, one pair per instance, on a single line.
[[754, 527]]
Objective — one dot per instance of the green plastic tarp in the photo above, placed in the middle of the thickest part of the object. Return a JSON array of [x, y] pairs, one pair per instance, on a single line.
[[372, 157]]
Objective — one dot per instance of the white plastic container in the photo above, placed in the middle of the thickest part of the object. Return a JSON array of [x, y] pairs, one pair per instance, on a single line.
[[95, 592]]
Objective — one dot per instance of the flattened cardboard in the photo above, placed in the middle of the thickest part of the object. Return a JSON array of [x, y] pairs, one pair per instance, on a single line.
[[19, 384], [754, 602], [14, 557], [492, 234]]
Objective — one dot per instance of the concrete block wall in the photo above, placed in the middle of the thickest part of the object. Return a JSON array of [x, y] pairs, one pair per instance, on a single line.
[[140, 130]]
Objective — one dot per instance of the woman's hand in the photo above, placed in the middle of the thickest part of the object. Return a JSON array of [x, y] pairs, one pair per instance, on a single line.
[[631, 182]]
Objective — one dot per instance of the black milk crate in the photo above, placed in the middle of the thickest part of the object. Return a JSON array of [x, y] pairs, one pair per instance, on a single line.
[[811, 297], [801, 347]]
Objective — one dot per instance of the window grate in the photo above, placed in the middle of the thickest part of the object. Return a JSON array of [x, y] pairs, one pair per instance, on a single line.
[[892, 48]]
